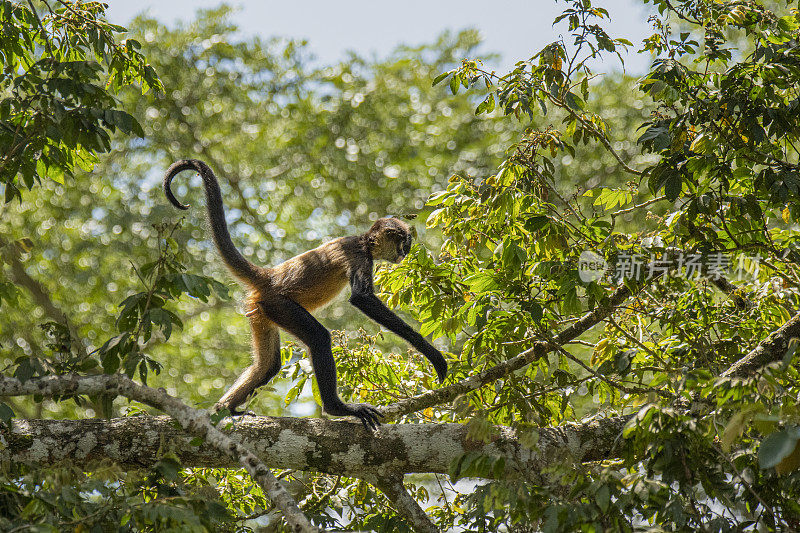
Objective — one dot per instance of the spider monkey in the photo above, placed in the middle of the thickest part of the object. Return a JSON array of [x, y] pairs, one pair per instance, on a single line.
[[283, 296]]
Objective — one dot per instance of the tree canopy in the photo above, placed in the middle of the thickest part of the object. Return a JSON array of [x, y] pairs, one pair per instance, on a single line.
[[610, 264]]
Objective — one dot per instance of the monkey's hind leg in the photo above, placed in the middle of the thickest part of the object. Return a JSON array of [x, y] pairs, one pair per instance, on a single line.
[[295, 319], [266, 364]]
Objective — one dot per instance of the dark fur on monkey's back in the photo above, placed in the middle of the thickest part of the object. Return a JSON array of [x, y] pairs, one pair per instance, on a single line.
[[282, 296]]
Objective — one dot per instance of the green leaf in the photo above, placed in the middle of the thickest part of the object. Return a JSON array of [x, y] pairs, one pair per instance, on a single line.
[[603, 498], [535, 310], [570, 304], [295, 391], [703, 144], [160, 317], [788, 23], [6, 414], [455, 82], [454, 468], [110, 361], [673, 186], [130, 362], [168, 467], [315, 391], [219, 415], [24, 370], [575, 102], [482, 282], [440, 77], [733, 430], [776, 447]]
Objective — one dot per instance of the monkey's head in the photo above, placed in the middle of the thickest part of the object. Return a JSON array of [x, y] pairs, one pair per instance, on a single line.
[[389, 239]]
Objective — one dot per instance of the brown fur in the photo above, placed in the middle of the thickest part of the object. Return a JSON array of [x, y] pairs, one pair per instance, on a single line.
[[315, 277], [281, 297], [312, 279]]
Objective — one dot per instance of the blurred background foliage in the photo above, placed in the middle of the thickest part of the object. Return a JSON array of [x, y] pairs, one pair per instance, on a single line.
[[303, 154]]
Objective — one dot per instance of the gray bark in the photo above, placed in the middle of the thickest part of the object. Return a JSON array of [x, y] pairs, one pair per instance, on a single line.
[[329, 446]]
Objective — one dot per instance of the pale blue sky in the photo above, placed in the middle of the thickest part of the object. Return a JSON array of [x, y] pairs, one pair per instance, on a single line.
[[514, 28]]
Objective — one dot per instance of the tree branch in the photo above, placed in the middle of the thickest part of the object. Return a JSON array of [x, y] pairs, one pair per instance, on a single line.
[[535, 352], [407, 506], [770, 350], [329, 446], [195, 421]]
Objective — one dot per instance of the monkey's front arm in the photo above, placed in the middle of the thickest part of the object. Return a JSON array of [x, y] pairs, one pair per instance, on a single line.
[[363, 297]]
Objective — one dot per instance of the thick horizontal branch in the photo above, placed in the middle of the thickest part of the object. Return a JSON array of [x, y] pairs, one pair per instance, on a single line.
[[330, 446]]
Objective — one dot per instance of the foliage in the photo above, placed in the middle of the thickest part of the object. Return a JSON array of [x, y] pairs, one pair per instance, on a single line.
[[723, 132], [65, 498], [118, 212], [671, 180], [60, 71]]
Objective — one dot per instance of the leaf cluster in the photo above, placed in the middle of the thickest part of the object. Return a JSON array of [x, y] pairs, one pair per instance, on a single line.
[[62, 63]]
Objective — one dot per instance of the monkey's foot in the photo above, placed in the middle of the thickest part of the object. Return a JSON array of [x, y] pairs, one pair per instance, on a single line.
[[363, 411]]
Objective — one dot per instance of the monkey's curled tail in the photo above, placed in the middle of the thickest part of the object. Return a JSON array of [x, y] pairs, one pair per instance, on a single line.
[[239, 266]]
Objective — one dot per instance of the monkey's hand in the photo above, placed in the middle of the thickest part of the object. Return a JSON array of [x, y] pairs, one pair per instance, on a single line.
[[437, 360], [363, 411]]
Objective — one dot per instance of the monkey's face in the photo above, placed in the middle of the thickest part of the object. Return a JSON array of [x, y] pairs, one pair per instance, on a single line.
[[392, 246], [391, 239], [403, 246]]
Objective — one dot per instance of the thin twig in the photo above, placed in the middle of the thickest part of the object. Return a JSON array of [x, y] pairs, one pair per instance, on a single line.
[[747, 485], [635, 207]]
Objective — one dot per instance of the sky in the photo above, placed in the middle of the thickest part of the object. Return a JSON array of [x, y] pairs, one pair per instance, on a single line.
[[513, 28]]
